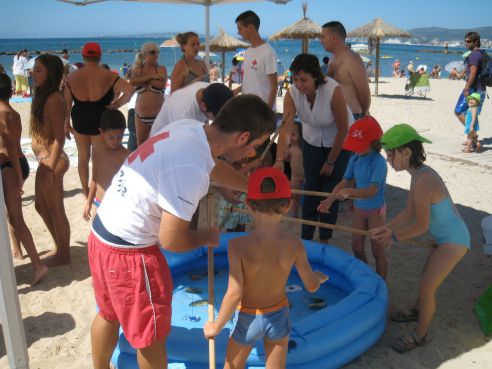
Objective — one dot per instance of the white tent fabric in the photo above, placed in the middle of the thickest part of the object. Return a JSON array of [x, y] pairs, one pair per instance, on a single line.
[[206, 3], [10, 313]]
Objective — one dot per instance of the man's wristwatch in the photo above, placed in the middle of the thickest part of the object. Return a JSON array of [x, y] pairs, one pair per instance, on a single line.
[[330, 162]]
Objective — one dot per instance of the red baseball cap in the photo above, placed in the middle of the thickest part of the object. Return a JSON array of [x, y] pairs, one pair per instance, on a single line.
[[92, 49], [282, 185], [362, 133]]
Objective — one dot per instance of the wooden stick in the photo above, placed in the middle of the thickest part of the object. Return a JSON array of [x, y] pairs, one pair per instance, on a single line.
[[272, 140], [341, 228], [211, 295]]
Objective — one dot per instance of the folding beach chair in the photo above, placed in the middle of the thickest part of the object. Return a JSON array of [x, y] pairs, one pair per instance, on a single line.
[[417, 84]]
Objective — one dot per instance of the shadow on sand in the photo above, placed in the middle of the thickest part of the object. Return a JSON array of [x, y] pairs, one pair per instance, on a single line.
[[46, 325], [57, 276], [405, 97]]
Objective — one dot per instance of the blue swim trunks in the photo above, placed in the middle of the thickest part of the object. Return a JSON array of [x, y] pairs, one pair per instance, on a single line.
[[255, 324], [462, 104]]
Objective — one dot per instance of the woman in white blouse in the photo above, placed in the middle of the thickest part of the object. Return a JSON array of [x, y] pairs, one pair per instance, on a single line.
[[326, 118]]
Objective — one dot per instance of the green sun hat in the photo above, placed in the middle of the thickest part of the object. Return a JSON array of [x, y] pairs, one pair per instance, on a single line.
[[399, 135], [474, 96]]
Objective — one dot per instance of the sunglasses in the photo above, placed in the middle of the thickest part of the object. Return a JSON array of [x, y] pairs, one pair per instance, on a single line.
[[468, 41], [153, 52]]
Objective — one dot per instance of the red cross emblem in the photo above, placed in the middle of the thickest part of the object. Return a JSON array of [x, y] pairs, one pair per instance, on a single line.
[[147, 148]]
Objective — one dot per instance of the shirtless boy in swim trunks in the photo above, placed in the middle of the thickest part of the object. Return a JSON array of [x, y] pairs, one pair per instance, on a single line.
[[259, 266], [347, 69], [107, 158], [14, 171]]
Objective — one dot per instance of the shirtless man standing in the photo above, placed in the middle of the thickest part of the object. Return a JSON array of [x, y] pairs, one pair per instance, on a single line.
[[347, 69]]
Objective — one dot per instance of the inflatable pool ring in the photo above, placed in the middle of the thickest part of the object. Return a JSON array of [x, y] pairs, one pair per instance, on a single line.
[[331, 327]]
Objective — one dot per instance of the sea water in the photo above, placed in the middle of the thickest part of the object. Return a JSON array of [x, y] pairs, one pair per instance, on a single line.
[[286, 51]]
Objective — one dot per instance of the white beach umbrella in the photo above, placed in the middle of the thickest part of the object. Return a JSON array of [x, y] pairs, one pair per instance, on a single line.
[[10, 314], [206, 3], [457, 64]]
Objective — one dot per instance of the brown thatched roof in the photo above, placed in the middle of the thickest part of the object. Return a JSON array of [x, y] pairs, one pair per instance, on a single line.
[[301, 30], [378, 29], [225, 42]]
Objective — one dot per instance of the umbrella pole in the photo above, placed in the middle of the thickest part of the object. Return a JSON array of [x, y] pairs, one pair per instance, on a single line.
[[211, 274], [223, 66], [377, 67], [304, 45], [207, 34]]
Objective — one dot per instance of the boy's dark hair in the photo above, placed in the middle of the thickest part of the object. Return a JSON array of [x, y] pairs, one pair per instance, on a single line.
[[276, 206], [337, 28], [376, 145], [235, 61], [326, 59], [246, 113], [249, 17], [5, 87], [112, 119], [474, 37], [418, 153], [64, 51], [308, 63]]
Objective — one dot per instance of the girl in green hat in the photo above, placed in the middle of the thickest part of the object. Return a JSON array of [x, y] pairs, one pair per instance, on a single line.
[[471, 124], [429, 208]]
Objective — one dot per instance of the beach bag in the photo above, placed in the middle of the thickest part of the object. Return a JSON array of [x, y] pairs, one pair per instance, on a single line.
[[485, 75], [483, 309]]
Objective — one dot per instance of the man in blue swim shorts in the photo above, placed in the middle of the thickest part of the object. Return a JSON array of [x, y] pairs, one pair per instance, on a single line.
[[473, 64]]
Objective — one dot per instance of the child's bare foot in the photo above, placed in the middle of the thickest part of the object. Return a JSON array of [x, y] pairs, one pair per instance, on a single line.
[[17, 255], [39, 272], [54, 259]]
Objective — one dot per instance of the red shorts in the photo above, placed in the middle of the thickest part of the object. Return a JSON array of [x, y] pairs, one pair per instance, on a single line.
[[134, 287]]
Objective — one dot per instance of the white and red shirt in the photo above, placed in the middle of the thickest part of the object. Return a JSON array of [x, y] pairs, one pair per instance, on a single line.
[[259, 62], [168, 172]]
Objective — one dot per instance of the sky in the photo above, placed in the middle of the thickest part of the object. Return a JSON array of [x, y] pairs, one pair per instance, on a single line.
[[50, 18]]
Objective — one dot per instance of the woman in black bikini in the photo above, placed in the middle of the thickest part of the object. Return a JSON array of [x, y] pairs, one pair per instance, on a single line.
[[189, 69], [149, 80], [47, 129], [91, 90]]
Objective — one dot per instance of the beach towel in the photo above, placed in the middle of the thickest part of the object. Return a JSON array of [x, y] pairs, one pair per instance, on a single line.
[[417, 84]]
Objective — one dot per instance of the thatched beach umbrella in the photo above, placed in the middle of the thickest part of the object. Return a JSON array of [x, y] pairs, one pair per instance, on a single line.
[[224, 42], [377, 30], [303, 29]]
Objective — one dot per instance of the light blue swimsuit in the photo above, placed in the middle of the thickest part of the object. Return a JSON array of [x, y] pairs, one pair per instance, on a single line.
[[446, 224], [468, 120]]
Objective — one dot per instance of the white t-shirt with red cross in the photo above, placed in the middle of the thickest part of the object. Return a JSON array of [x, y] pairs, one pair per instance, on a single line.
[[168, 172], [259, 62]]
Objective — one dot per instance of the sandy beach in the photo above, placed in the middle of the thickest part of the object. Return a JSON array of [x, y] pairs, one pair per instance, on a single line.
[[58, 312]]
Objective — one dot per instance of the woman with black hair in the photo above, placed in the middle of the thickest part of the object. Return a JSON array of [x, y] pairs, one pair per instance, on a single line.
[[319, 103], [47, 129]]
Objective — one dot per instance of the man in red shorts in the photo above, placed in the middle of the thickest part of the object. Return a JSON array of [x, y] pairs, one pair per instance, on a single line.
[[152, 199]]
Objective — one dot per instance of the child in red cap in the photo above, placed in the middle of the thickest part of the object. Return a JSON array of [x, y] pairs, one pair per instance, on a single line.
[[259, 266], [365, 179]]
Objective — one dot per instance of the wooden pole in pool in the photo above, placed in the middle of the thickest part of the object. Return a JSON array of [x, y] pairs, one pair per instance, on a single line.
[[211, 297]]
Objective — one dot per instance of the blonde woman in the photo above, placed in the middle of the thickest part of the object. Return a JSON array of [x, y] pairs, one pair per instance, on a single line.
[[189, 69], [149, 80]]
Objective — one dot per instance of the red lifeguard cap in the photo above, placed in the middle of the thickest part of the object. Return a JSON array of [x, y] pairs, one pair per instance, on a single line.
[[282, 185]]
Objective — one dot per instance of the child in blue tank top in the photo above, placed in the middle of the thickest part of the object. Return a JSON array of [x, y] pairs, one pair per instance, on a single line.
[[429, 208], [364, 179]]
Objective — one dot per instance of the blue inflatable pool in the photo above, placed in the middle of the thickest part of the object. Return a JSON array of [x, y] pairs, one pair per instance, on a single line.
[[331, 327]]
